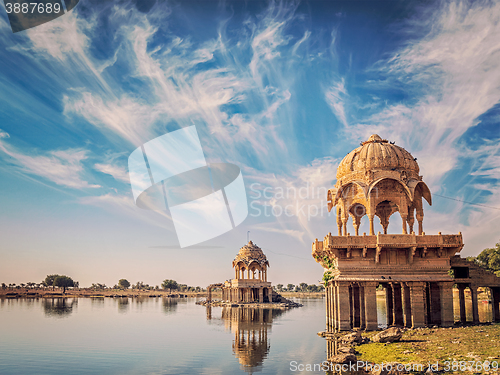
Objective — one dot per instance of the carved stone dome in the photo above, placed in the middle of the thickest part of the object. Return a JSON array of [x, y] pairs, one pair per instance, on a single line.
[[251, 253], [377, 179], [377, 154]]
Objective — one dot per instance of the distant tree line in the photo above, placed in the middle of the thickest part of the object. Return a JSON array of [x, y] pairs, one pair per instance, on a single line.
[[167, 284], [302, 287]]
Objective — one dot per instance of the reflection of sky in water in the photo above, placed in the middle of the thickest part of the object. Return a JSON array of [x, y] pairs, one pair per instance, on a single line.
[[146, 336]]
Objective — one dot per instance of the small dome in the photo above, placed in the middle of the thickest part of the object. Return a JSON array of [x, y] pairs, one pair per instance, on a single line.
[[249, 253], [377, 154]]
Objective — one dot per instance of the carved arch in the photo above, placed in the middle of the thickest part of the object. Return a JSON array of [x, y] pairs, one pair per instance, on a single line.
[[405, 188], [361, 184]]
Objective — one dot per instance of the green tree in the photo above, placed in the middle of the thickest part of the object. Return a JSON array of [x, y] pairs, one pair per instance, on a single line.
[[490, 259], [4, 286], [303, 287], [49, 280], [169, 284], [123, 283], [290, 287], [64, 282], [279, 287]]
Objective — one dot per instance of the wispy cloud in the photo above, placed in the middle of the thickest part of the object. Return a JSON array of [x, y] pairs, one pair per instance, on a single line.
[[63, 167], [118, 173], [335, 97], [124, 204], [457, 66], [296, 202]]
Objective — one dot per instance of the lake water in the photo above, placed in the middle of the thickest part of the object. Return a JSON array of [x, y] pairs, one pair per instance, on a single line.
[[155, 336], [161, 336]]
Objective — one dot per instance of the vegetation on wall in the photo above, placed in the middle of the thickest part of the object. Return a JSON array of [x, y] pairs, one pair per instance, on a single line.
[[489, 259]]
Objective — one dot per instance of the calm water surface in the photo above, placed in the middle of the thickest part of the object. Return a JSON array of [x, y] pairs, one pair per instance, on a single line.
[[155, 336], [161, 336]]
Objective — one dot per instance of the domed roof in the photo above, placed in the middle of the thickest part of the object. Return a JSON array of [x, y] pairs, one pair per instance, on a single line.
[[249, 253], [377, 154]]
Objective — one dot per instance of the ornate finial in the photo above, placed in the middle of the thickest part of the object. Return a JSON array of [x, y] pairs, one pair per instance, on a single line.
[[375, 138]]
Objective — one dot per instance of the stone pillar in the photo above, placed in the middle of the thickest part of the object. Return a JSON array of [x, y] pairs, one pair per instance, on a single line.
[[333, 306], [475, 311], [389, 307], [435, 303], [351, 308], [336, 307], [495, 295], [339, 221], [411, 220], [403, 219], [420, 218], [372, 230], [417, 304], [328, 309], [344, 225], [461, 301], [261, 295], [356, 311], [343, 306], [446, 288], [406, 305], [397, 305], [370, 306], [362, 316], [209, 294]]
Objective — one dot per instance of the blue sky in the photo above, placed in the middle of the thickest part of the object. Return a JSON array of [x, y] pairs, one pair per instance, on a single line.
[[282, 89]]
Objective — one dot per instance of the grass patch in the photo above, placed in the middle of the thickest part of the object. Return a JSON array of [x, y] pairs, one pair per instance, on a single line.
[[474, 343]]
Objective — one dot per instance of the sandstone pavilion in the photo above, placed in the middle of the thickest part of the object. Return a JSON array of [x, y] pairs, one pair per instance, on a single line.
[[416, 270]]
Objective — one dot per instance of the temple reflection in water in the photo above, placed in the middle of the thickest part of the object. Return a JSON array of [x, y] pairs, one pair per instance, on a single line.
[[250, 327]]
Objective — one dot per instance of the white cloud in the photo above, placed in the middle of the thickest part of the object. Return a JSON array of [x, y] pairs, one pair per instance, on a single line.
[[61, 37], [130, 118], [118, 173], [125, 205], [299, 199], [335, 97], [4, 134], [62, 167], [457, 63]]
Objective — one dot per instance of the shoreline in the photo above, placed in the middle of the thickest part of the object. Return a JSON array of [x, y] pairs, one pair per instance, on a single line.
[[120, 293], [82, 293]]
